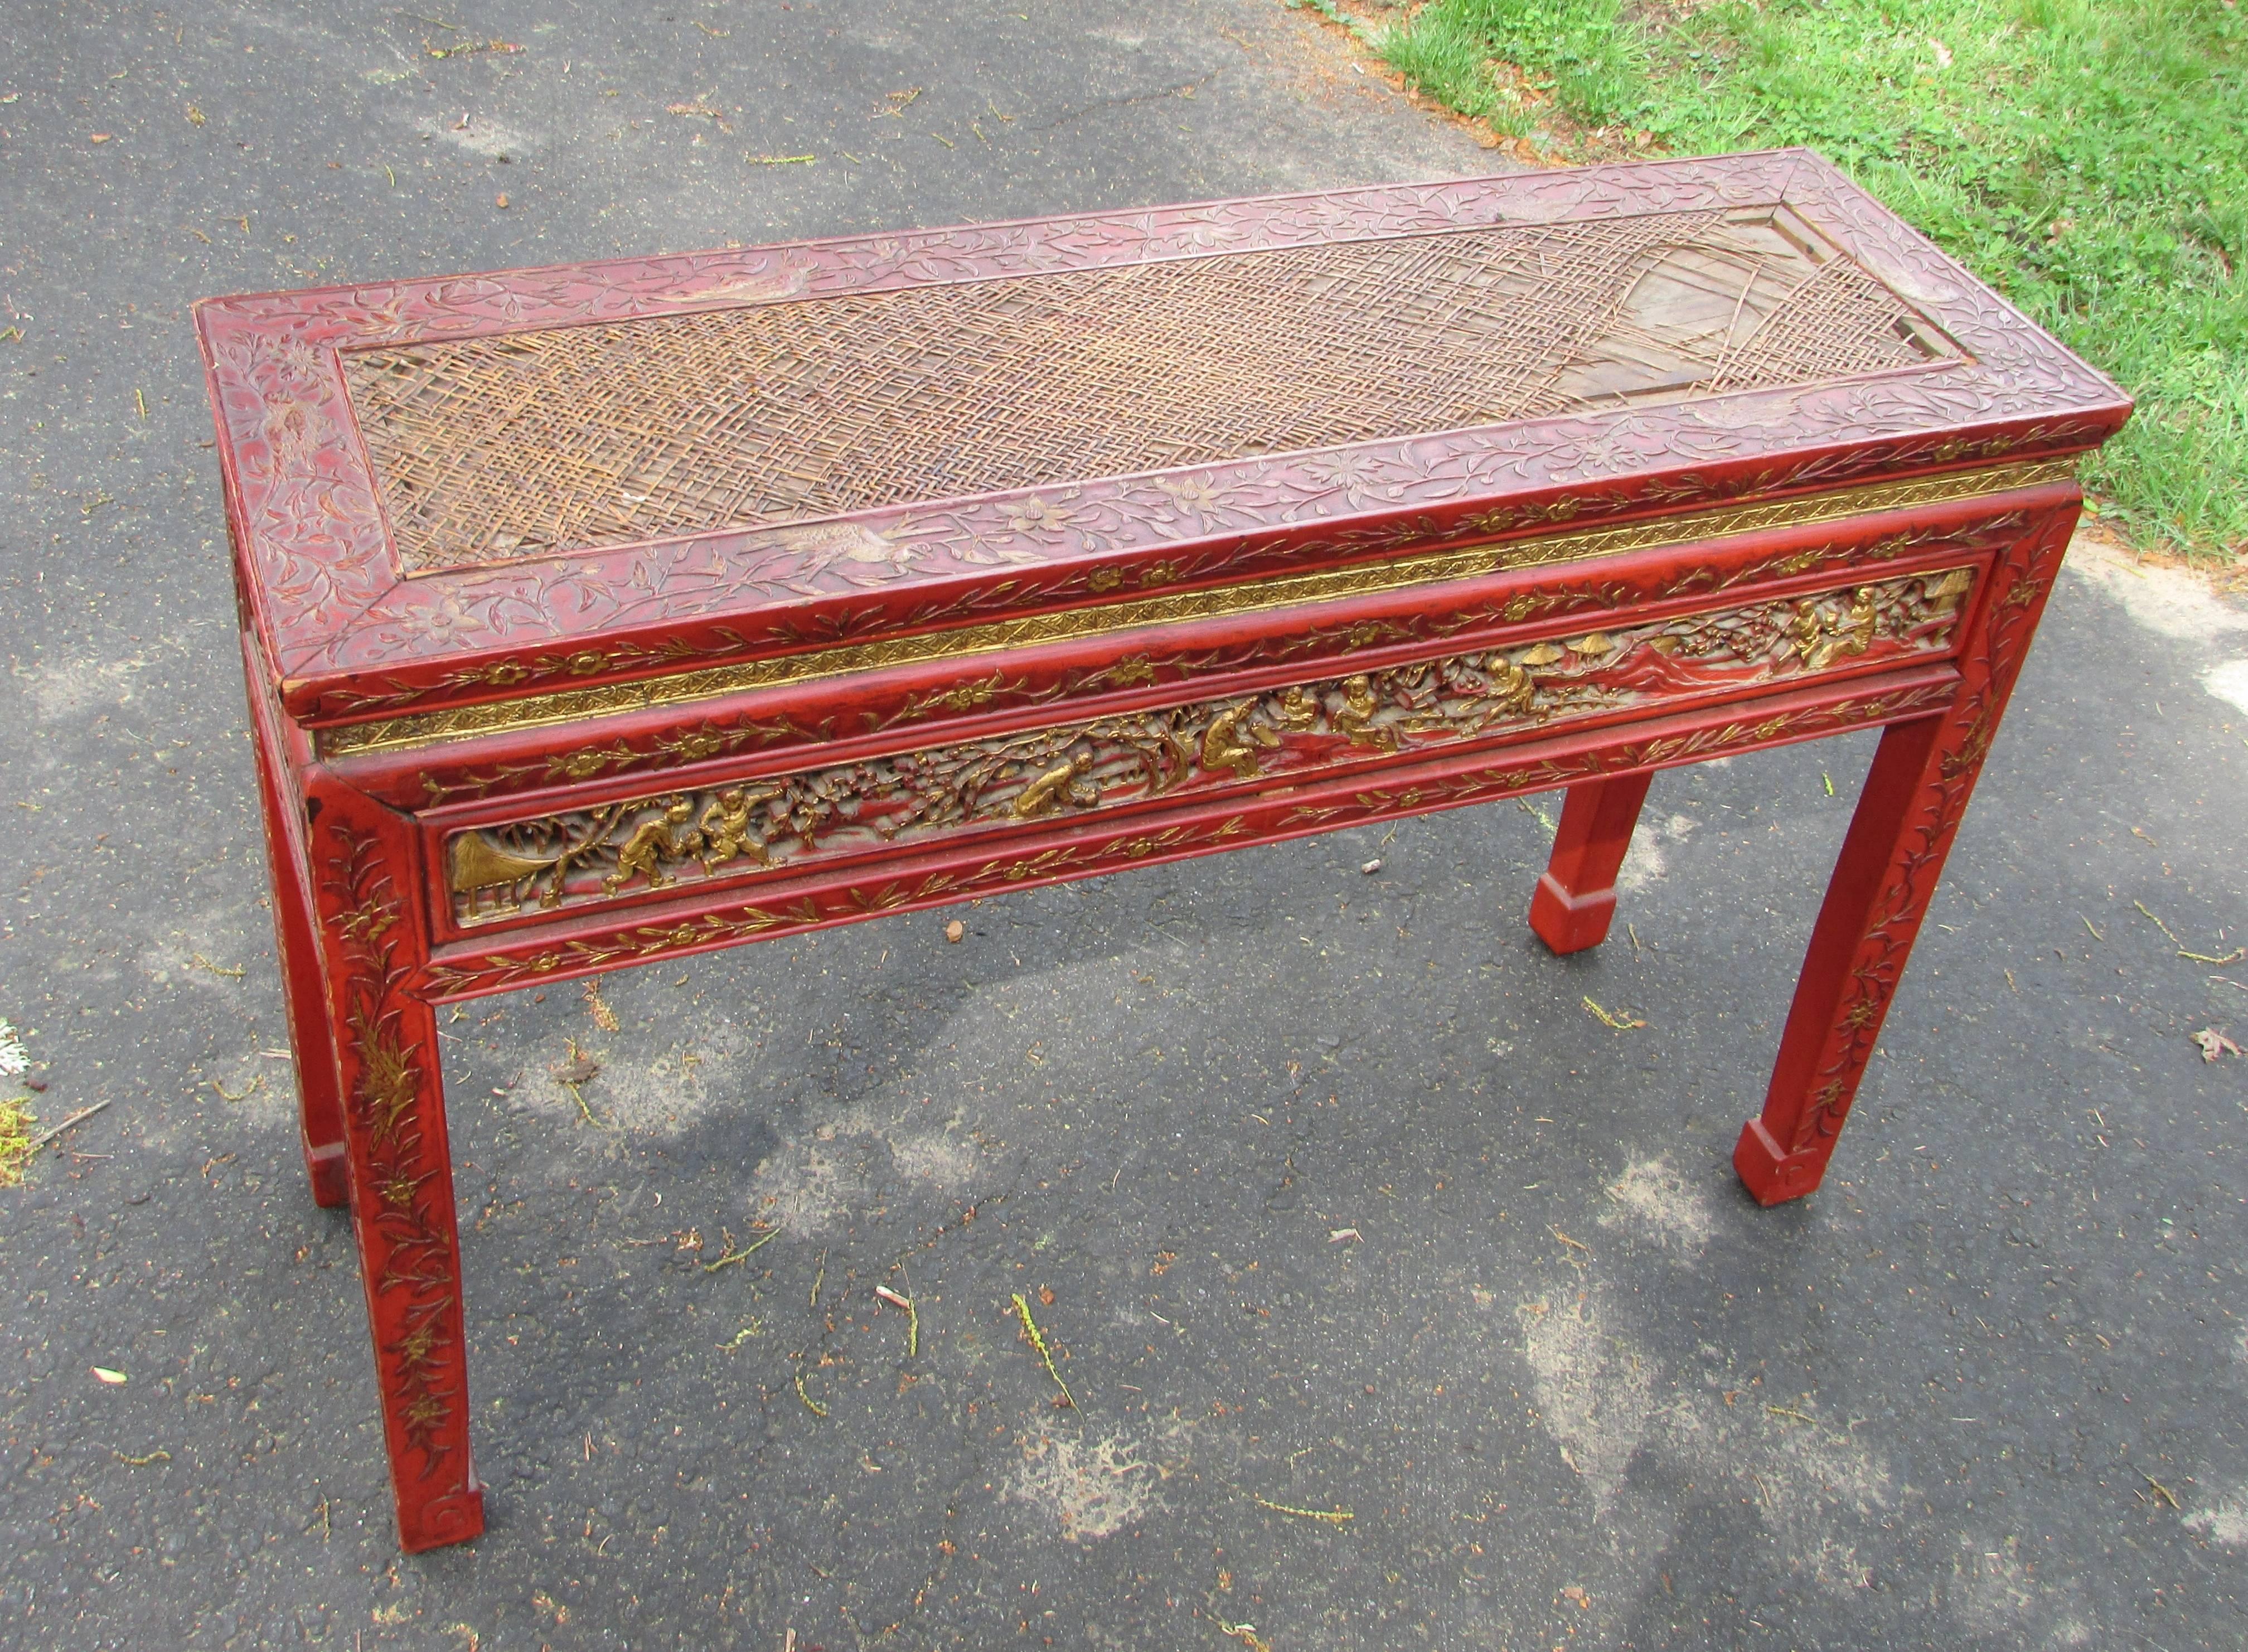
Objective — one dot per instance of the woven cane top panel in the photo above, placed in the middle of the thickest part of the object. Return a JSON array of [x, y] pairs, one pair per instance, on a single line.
[[571, 438]]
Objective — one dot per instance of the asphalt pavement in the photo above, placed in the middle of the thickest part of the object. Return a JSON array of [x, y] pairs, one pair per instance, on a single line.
[[1405, 1303]]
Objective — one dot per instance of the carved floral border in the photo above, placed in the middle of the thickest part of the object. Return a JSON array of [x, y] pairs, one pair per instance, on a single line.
[[987, 686], [327, 591]]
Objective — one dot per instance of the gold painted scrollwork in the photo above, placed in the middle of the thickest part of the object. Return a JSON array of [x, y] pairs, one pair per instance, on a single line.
[[686, 687], [741, 829]]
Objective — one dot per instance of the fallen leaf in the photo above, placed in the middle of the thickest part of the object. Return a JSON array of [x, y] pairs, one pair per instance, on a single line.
[[578, 1070], [598, 1007], [1623, 1023], [195, 116], [2214, 1044], [499, 200], [955, 929], [700, 109], [103, 1374], [470, 48]]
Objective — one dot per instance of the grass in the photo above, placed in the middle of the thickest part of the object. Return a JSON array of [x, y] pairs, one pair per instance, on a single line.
[[2089, 158], [16, 1148]]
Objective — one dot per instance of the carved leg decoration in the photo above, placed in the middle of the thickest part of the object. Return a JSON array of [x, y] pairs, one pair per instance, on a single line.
[[1907, 816], [1575, 900], [304, 993], [400, 1165]]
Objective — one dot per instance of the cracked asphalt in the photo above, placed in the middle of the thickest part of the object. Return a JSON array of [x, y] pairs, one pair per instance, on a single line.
[[1329, 1194]]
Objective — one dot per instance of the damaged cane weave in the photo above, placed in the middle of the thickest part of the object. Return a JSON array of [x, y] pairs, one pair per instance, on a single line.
[[574, 437]]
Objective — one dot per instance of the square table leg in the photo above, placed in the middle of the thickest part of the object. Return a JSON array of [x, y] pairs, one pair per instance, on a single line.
[[1907, 816], [397, 1157], [1575, 900], [303, 988]]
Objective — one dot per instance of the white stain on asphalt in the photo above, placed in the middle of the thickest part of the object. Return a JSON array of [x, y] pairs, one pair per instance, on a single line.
[[1644, 861], [1090, 1489], [2225, 1523], [1652, 1199], [62, 691], [1594, 1389], [2229, 683], [479, 134]]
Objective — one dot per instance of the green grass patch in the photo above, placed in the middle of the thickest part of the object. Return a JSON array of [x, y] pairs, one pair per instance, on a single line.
[[2089, 158], [16, 1140]]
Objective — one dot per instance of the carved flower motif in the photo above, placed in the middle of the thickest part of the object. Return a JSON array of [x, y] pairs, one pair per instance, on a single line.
[[579, 766], [1037, 515], [1357, 478], [446, 620], [1193, 493]]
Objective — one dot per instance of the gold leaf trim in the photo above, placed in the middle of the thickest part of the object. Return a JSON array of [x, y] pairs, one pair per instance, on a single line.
[[570, 705], [528, 961], [784, 822]]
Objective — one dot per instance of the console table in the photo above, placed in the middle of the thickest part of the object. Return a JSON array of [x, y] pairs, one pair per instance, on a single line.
[[605, 614]]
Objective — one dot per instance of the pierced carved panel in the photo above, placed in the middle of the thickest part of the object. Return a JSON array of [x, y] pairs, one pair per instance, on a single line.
[[752, 828]]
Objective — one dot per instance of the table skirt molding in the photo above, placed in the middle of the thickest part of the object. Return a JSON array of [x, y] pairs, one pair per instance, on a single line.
[[964, 680]]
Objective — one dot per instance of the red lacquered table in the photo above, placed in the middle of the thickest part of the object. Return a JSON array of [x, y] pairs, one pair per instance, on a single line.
[[604, 614]]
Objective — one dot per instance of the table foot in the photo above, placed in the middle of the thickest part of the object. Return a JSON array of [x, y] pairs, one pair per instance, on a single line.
[[1569, 922], [1575, 900], [1772, 1174], [455, 1518]]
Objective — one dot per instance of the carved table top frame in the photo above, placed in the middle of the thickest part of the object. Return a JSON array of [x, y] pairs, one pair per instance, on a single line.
[[603, 614]]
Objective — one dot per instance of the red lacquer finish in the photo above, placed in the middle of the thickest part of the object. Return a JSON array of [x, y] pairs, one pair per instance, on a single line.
[[1576, 898], [303, 983], [397, 1165], [1914, 798], [480, 775]]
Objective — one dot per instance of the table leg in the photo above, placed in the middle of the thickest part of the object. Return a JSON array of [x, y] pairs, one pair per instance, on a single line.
[[1907, 817], [305, 996], [1576, 899], [400, 1164]]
